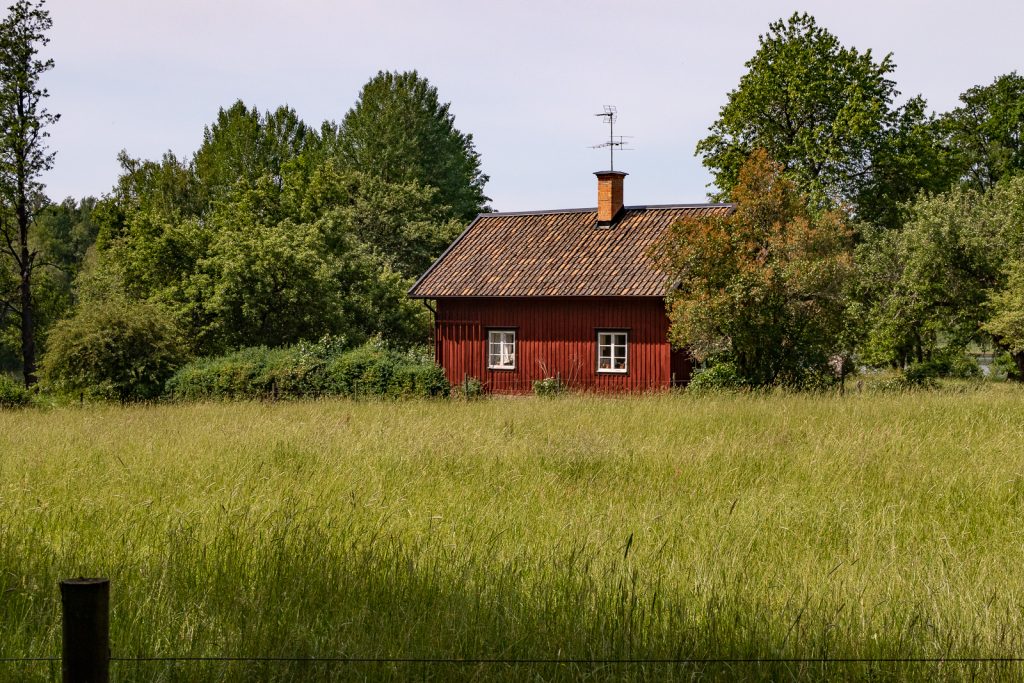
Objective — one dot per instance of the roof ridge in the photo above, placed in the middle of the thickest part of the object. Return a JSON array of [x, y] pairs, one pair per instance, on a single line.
[[593, 209]]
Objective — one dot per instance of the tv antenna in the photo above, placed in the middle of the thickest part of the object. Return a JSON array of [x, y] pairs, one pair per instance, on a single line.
[[611, 114]]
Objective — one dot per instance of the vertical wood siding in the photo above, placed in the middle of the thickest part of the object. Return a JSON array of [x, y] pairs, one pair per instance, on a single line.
[[557, 337]]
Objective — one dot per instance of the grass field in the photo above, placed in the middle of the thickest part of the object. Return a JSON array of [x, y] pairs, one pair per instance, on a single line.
[[581, 528]]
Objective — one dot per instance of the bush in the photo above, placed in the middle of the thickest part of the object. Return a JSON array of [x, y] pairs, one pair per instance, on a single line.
[[1004, 367], [549, 386], [469, 388], [955, 363], [113, 349], [12, 394], [309, 370], [719, 377], [921, 374]]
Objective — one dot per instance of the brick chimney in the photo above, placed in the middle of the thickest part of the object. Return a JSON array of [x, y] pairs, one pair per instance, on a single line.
[[609, 196]]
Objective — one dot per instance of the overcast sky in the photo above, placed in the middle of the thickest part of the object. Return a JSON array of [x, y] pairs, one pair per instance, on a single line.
[[525, 78]]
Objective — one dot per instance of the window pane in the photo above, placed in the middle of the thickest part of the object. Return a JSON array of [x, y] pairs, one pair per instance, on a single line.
[[612, 351], [501, 348]]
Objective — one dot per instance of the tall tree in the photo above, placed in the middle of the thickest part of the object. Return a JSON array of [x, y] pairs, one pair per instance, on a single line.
[[826, 113], [986, 132], [23, 152], [400, 131], [764, 286], [243, 145]]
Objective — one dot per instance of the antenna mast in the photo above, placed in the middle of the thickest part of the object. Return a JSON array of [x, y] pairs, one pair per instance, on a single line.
[[611, 114]]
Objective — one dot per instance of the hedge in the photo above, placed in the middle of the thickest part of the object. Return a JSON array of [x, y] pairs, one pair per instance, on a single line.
[[309, 370]]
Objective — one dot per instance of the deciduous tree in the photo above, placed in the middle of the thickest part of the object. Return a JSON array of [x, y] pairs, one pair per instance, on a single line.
[[764, 286], [986, 133], [400, 131], [24, 156], [825, 112]]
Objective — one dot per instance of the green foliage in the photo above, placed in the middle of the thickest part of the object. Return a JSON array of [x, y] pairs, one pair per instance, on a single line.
[[309, 370], [549, 386], [276, 233], [985, 132], [762, 287], [719, 377], [1004, 367], [826, 113], [953, 362], [921, 375], [24, 158], [268, 284], [468, 389], [12, 393], [243, 146], [1007, 305], [400, 131], [113, 348], [269, 267], [933, 283]]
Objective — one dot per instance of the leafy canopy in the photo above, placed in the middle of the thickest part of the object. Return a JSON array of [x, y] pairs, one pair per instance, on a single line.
[[825, 112], [986, 133], [930, 285], [401, 132]]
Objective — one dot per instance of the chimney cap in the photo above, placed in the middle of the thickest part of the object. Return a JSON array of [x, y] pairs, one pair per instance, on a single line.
[[604, 173]]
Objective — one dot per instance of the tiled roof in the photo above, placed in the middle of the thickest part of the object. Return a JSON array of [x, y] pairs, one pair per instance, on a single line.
[[556, 253]]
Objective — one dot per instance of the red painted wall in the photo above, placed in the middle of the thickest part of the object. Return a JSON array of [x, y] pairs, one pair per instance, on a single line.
[[557, 336]]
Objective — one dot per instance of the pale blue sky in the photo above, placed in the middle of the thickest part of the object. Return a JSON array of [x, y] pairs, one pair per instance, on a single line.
[[524, 77]]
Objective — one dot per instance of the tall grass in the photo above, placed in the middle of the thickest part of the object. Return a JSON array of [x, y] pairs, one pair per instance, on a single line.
[[581, 528]]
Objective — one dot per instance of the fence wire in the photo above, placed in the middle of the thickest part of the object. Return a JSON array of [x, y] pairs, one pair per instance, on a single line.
[[555, 661]]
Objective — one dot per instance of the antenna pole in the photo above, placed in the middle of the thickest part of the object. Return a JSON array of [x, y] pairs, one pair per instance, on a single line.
[[610, 114], [611, 141]]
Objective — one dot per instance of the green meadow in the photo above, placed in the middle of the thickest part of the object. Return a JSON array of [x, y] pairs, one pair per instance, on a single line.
[[870, 526]]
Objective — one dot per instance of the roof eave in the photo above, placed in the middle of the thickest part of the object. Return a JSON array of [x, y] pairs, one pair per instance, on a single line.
[[412, 290]]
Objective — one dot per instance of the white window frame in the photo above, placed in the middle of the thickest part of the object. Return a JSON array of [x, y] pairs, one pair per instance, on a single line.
[[498, 345], [613, 346]]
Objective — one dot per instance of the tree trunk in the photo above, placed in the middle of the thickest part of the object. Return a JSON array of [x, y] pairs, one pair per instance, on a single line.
[[28, 333]]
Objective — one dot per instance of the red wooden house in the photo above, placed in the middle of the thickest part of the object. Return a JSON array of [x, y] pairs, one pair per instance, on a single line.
[[570, 294]]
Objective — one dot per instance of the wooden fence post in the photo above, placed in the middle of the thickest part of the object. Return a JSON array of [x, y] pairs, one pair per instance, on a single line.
[[85, 604]]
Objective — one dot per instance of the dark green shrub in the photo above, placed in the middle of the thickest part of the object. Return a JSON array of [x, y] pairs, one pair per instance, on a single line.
[[12, 394], [115, 349], [418, 379], [258, 372], [955, 363], [1004, 367], [469, 388], [309, 370], [815, 379], [719, 377], [951, 362], [347, 372], [549, 386], [921, 375]]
